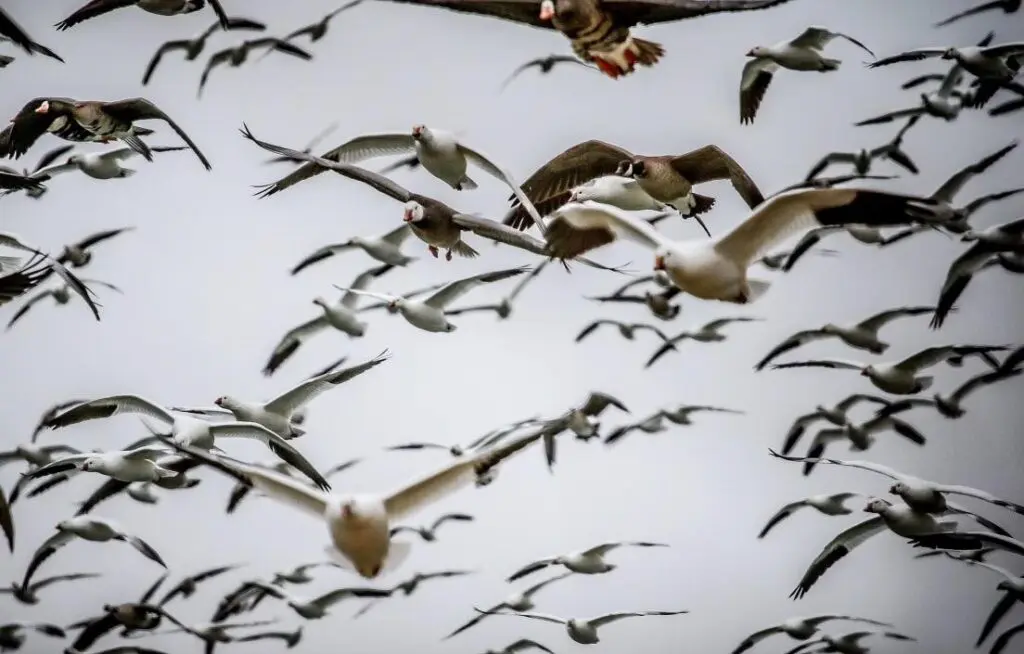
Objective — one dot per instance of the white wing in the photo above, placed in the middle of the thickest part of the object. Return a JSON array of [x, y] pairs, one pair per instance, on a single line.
[[593, 215], [492, 169], [106, 407]]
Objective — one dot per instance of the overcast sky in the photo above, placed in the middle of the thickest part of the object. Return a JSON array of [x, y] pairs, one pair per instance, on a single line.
[[207, 295]]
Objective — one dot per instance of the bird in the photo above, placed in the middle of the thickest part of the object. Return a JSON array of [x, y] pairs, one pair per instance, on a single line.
[[544, 64], [953, 218], [237, 55], [187, 586], [195, 46], [428, 534], [290, 638], [317, 608], [599, 31], [655, 422], [588, 562], [951, 406], [61, 295], [96, 8], [836, 415], [98, 165], [519, 601], [900, 377], [863, 158], [662, 179], [861, 336], [709, 333], [584, 630], [861, 233], [717, 270], [861, 436], [327, 131], [316, 31], [11, 31], [12, 181], [133, 465], [1008, 7], [15, 283], [627, 330], [800, 629], [12, 634], [659, 304], [502, 308], [90, 120], [802, 53], [487, 440], [581, 420], [429, 315], [519, 646], [831, 505], [28, 276], [30, 594], [386, 248], [79, 254], [848, 643], [409, 586], [1013, 591]]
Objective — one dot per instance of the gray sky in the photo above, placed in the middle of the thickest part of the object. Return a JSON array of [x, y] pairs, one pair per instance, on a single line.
[[207, 295]]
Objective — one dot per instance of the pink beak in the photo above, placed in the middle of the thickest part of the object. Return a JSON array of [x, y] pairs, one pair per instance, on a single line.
[[659, 263], [547, 11], [416, 131], [407, 217]]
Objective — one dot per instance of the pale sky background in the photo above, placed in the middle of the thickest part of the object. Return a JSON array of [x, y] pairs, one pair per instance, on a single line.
[[207, 295]]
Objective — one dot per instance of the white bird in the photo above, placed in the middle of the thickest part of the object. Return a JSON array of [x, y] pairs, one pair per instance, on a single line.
[[588, 562], [429, 314], [502, 308], [716, 269], [831, 505], [847, 643], [711, 332], [802, 53], [316, 608], [186, 429], [900, 377], [584, 631], [10, 240], [98, 165], [950, 406], [1013, 591], [359, 525], [519, 646], [861, 233], [861, 336], [60, 295], [278, 414], [428, 534], [799, 629], [520, 601], [654, 423], [946, 102], [835, 415], [386, 248], [138, 464]]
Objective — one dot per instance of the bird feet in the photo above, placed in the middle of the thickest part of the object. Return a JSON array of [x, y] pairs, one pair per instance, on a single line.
[[432, 250], [448, 255]]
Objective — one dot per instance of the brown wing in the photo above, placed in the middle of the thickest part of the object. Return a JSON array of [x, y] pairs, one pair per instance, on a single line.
[[134, 109], [648, 12], [710, 163], [27, 125], [567, 242], [548, 188], [92, 10], [13, 31], [519, 11]]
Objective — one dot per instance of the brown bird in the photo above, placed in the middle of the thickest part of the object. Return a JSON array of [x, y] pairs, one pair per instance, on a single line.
[[10, 30]]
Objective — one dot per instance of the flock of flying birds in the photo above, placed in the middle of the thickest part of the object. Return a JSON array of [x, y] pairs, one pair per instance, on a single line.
[[589, 196]]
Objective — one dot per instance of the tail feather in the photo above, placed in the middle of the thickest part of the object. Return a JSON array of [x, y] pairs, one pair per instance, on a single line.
[[465, 184], [755, 289], [647, 52], [828, 65], [133, 141], [702, 204], [925, 382]]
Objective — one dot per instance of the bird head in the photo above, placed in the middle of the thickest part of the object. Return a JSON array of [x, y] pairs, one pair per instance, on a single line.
[[419, 131], [662, 260], [950, 53], [414, 212], [624, 169], [969, 236], [222, 401], [876, 505], [899, 488], [547, 10], [43, 108], [756, 51], [88, 465], [637, 169]]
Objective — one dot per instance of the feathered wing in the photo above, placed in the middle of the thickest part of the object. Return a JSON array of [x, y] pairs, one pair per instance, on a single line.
[[835, 550]]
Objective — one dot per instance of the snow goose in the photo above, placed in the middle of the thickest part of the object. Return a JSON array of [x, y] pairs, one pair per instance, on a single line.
[[428, 534], [317, 608], [951, 406], [340, 315], [1013, 591], [139, 464], [861, 437], [834, 414], [519, 601], [12, 634], [659, 304], [543, 64], [290, 638], [587, 562], [862, 335], [862, 233], [11, 31], [845, 644], [99, 165], [503, 308], [584, 630], [308, 149], [386, 248], [709, 333], [409, 586], [900, 377], [89, 120], [627, 330], [1008, 7], [318, 30], [922, 495], [61, 295], [660, 180], [524, 644], [949, 216], [96, 8], [831, 505], [187, 429], [359, 525], [580, 420], [429, 314], [79, 254], [187, 586], [599, 30], [237, 55], [803, 53], [30, 594], [27, 277], [717, 269], [970, 540], [654, 423], [863, 158], [1007, 237], [194, 47], [143, 492], [277, 414], [132, 616], [799, 629]]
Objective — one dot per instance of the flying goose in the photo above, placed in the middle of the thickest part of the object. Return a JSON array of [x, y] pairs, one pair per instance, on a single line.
[[143, 492], [587, 562], [429, 314], [922, 495], [580, 420], [861, 336], [92, 120], [861, 233], [428, 534], [327, 131], [900, 377], [950, 215], [584, 630], [409, 586], [627, 330], [290, 638], [1007, 237], [61, 295], [519, 601], [667, 179], [525, 644], [386, 248], [187, 586], [502, 308], [659, 304], [12, 634], [95, 8], [860, 436], [845, 644], [1008, 7], [863, 158], [237, 55], [11, 31], [655, 422], [132, 616], [709, 333], [138, 464], [359, 525], [599, 30], [19, 282], [835, 415], [543, 64], [316, 31], [803, 53], [187, 429], [799, 629], [717, 269], [240, 491], [317, 608], [29, 594], [340, 315], [776, 260], [15, 283], [277, 414], [624, 191], [830, 505], [98, 165], [951, 406], [194, 47]]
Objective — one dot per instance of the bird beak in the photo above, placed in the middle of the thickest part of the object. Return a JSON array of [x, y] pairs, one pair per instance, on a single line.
[[407, 217], [750, 53], [42, 108], [659, 263], [417, 131], [547, 10]]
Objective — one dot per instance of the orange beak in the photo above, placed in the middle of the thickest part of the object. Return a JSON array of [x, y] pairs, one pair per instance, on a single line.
[[547, 11], [659, 263]]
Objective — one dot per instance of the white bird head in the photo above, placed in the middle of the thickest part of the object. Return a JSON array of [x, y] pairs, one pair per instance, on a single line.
[[969, 236], [420, 132], [868, 370], [414, 212], [450, 327], [899, 488], [877, 505], [663, 260], [89, 464], [951, 53], [547, 10], [756, 51], [224, 402]]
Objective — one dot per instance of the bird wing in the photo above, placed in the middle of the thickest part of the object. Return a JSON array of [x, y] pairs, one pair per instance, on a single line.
[[754, 82], [45, 174], [277, 445], [290, 342], [29, 303], [791, 343], [830, 158], [853, 463], [6, 520], [503, 175], [333, 597], [397, 236], [780, 515], [1004, 50], [99, 237], [911, 55], [142, 109], [454, 290], [978, 494], [106, 407], [926, 358], [835, 550], [580, 227], [814, 38], [839, 364], [613, 617], [45, 551], [755, 638], [500, 233], [598, 402], [289, 401], [879, 320], [180, 44], [977, 9], [983, 379], [952, 186], [712, 163]]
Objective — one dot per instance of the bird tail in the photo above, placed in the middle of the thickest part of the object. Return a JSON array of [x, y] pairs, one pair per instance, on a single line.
[[647, 52], [133, 141], [126, 172], [701, 204], [465, 184], [464, 250], [828, 65], [925, 382], [755, 289]]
